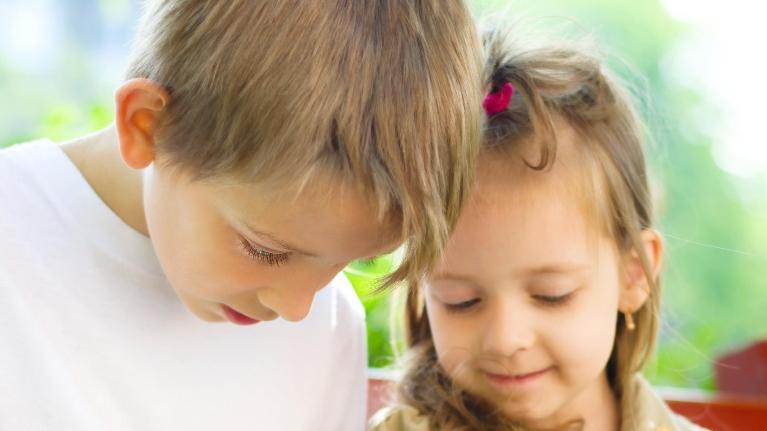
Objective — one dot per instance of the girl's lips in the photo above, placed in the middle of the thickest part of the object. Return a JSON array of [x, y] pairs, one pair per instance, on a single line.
[[236, 317], [515, 380]]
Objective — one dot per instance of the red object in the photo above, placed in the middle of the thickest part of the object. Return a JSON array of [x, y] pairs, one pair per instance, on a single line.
[[380, 394], [498, 101], [719, 411], [743, 371]]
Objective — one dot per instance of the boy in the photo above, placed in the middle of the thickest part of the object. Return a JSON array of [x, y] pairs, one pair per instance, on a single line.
[[258, 147]]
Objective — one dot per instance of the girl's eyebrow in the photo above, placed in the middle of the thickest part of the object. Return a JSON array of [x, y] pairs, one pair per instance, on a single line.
[[541, 270], [557, 269], [450, 276]]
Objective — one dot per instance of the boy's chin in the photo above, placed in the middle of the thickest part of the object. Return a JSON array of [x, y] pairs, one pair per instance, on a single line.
[[206, 312], [206, 316]]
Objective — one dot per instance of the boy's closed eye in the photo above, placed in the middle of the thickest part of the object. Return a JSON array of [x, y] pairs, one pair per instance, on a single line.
[[264, 254]]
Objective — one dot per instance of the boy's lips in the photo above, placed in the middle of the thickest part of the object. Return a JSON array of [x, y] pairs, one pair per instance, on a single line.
[[236, 317]]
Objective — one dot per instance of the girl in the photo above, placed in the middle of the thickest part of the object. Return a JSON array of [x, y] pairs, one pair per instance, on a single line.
[[545, 306]]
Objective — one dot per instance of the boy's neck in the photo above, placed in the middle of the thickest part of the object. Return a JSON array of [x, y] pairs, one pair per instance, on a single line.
[[97, 157]]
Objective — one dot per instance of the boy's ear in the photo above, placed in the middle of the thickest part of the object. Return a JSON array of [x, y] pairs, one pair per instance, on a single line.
[[636, 286], [139, 103]]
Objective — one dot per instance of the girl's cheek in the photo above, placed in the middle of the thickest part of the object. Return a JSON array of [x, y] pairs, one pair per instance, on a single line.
[[454, 359], [453, 337]]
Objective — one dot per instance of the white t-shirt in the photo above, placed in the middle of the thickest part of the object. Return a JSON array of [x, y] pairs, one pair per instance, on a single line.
[[92, 337]]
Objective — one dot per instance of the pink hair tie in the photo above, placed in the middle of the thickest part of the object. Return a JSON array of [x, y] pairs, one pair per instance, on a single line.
[[498, 101]]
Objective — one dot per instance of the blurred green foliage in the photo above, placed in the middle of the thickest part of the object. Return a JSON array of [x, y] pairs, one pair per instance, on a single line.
[[715, 225], [366, 277], [64, 121]]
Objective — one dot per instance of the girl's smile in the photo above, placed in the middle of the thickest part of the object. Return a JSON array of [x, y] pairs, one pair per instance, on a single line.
[[516, 381]]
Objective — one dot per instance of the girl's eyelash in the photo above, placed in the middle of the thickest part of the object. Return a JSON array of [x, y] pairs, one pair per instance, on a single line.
[[261, 255], [545, 300], [462, 306], [553, 301]]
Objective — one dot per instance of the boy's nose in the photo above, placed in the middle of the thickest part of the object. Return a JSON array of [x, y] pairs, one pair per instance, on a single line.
[[292, 299], [295, 306]]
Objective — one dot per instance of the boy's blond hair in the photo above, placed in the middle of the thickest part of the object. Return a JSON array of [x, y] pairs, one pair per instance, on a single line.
[[385, 93]]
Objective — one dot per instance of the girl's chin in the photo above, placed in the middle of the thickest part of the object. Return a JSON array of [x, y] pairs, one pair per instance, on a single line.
[[528, 411]]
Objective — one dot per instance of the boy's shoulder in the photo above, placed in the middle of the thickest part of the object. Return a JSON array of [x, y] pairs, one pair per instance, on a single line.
[[19, 157], [338, 313], [399, 418], [29, 168], [28, 171], [348, 300]]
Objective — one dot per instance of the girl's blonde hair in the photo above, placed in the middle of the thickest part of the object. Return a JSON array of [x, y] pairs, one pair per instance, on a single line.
[[555, 83], [382, 93]]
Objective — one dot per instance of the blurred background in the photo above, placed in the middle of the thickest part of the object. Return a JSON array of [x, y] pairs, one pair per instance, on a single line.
[[699, 63]]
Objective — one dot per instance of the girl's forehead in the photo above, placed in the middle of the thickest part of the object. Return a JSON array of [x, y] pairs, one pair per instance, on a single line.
[[520, 220], [574, 183]]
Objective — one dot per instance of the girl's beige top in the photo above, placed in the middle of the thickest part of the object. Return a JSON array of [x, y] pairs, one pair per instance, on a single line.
[[654, 415]]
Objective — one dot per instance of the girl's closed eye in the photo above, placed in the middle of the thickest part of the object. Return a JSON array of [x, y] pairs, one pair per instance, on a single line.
[[264, 255], [462, 306], [554, 300], [454, 295]]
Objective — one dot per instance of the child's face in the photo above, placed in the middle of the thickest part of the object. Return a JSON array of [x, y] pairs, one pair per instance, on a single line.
[[246, 254], [523, 307]]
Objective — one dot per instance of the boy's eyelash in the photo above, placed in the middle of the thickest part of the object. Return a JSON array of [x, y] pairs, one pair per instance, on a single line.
[[462, 306], [269, 258]]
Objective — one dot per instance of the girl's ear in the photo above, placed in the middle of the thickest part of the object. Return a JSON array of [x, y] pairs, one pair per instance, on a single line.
[[139, 103], [636, 285]]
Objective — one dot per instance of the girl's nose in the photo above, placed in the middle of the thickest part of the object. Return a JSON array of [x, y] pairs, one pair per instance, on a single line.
[[509, 330]]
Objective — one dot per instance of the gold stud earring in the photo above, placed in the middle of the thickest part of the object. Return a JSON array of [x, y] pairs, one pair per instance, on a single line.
[[629, 320]]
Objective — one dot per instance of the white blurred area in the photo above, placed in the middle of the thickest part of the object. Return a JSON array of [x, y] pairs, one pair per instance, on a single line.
[[74, 51], [35, 34], [724, 58], [64, 54], [28, 38]]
